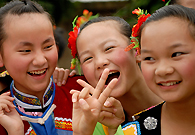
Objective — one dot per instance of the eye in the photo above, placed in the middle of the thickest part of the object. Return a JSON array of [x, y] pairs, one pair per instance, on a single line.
[[86, 59], [109, 48], [25, 51], [148, 58], [176, 54], [47, 47]]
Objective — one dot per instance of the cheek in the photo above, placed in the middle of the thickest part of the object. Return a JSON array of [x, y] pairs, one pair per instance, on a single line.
[[148, 73], [53, 58], [121, 57], [187, 69], [89, 74]]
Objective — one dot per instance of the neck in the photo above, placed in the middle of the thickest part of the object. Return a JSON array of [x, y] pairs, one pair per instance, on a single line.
[[37, 94], [183, 111], [180, 116], [138, 98]]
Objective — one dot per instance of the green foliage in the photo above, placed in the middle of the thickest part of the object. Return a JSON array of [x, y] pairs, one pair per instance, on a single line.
[[149, 5]]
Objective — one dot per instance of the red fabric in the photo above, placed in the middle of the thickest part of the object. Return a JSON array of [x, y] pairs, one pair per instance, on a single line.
[[63, 101]]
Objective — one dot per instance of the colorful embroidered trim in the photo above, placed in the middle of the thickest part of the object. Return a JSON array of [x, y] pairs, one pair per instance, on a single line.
[[142, 16], [49, 93], [4, 73], [63, 123], [31, 100], [132, 128], [73, 36]]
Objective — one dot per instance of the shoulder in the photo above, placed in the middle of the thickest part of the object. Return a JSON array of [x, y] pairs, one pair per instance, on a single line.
[[147, 122]]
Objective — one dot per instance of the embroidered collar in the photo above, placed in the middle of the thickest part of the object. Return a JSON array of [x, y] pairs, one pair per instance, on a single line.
[[32, 102]]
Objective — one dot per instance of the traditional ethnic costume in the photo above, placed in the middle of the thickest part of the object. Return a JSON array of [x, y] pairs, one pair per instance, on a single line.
[[148, 122], [54, 117]]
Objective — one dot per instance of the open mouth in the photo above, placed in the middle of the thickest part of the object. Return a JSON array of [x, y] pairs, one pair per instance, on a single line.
[[169, 84], [111, 76], [37, 73]]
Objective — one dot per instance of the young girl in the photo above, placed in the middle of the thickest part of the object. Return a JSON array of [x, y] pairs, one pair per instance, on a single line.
[[168, 66], [104, 48], [28, 51]]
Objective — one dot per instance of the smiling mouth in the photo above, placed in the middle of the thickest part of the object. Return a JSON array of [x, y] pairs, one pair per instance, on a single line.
[[111, 76], [37, 73], [169, 83]]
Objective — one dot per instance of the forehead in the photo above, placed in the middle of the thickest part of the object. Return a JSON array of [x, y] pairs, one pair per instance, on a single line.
[[25, 19], [105, 26], [170, 30], [101, 32]]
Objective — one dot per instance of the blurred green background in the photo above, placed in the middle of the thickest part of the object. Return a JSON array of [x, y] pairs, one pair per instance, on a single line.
[[64, 11]]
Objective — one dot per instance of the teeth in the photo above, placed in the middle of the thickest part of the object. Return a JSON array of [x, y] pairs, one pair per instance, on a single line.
[[169, 84], [112, 72], [37, 72]]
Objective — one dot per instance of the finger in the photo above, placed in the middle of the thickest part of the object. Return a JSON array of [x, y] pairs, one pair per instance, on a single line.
[[84, 105], [74, 91], [55, 74], [6, 93], [108, 109], [106, 93], [119, 112], [6, 98], [61, 75], [84, 84], [65, 77], [72, 73], [104, 114], [84, 93], [109, 102], [7, 101], [101, 83], [75, 97], [4, 107]]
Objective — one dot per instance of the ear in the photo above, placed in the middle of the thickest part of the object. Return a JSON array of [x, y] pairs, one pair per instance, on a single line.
[[1, 60], [138, 58]]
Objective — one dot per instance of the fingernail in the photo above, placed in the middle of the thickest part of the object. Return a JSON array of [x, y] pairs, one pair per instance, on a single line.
[[55, 80], [115, 110], [81, 101], [63, 82], [107, 103], [74, 100], [59, 84]]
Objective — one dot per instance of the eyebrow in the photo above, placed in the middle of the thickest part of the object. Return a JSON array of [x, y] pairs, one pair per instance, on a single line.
[[87, 51], [30, 44], [170, 47]]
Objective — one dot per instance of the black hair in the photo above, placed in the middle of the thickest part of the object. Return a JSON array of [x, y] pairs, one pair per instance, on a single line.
[[124, 27], [179, 11], [60, 40], [17, 7]]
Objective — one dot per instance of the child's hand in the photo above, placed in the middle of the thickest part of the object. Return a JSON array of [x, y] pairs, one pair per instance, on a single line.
[[9, 117], [87, 108], [112, 114], [60, 75]]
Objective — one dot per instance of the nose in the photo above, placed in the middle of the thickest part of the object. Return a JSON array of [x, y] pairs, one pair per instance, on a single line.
[[164, 68], [39, 59], [101, 62]]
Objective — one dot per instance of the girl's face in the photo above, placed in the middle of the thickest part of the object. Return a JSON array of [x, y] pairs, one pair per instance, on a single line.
[[101, 45], [29, 52], [168, 59]]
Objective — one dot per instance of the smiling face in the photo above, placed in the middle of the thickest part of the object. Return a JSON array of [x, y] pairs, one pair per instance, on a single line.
[[101, 45], [29, 51], [168, 59]]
